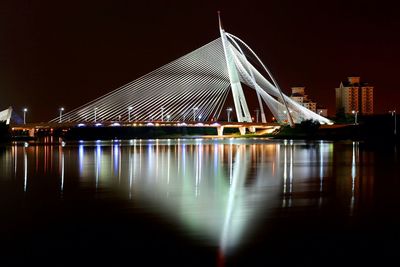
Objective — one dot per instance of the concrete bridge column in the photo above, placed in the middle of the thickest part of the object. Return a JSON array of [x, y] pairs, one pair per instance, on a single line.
[[220, 130], [242, 130], [32, 132], [252, 129]]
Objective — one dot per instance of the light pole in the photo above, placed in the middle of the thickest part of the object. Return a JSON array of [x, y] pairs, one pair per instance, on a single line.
[[168, 117], [229, 110], [25, 110], [184, 116], [95, 114], [355, 112], [199, 117], [129, 113], [61, 111], [194, 113], [257, 111], [162, 114], [395, 126]]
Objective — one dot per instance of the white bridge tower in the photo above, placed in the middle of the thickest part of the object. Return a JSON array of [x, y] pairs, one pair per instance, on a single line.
[[241, 108]]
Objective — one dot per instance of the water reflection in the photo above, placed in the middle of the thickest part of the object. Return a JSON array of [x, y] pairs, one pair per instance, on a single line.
[[61, 168], [354, 164], [25, 169], [218, 191]]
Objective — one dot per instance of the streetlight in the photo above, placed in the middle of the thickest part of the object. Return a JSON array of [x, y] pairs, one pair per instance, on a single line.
[[184, 116], [162, 114], [168, 116], [194, 113], [199, 117], [229, 110], [395, 126], [61, 111], [95, 114], [355, 112], [25, 110], [129, 113]]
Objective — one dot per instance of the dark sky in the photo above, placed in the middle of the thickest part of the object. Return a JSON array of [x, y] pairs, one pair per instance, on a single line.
[[66, 53]]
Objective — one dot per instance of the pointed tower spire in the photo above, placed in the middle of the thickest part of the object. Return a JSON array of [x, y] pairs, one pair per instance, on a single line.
[[239, 100], [219, 20]]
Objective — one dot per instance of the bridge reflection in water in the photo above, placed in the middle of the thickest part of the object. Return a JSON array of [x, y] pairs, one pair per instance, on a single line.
[[213, 188], [217, 190]]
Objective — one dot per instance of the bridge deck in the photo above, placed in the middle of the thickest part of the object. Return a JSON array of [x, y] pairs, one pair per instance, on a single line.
[[65, 125]]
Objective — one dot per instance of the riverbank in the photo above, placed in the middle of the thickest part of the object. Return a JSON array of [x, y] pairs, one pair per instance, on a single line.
[[374, 129]]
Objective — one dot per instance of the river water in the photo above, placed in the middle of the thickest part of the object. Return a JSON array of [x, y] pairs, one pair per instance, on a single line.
[[199, 202]]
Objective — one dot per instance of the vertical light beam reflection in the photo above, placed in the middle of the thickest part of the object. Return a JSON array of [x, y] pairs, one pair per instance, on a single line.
[[117, 161], [230, 163], [15, 151], [81, 156], [321, 172], [150, 159], [238, 177], [25, 170], [291, 173], [178, 154], [284, 174], [287, 194], [157, 158], [199, 154], [183, 152], [321, 160], [115, 158], [130, 173], [353, 176], [62, 169], [215, 150], [97, 163], [169, 161]]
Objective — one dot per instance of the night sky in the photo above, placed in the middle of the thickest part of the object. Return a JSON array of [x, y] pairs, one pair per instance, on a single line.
[[66, 53]]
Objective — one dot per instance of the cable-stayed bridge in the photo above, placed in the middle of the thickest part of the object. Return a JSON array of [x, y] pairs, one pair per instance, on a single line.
[[194, 88]]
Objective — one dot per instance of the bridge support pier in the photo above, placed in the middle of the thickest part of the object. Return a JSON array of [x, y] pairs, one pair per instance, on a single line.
[[242, 130], [31, 132], [220, 130], [252, 129]]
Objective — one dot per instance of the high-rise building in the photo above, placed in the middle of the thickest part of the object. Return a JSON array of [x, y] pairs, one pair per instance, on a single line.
[[298, 95], [354, 95]]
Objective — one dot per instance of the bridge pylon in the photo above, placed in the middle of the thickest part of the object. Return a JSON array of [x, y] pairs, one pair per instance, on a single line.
[[239, 100]]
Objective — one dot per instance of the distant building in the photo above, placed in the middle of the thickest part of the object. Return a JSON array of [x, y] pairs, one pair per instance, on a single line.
[[354, 95], [298, 95]]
